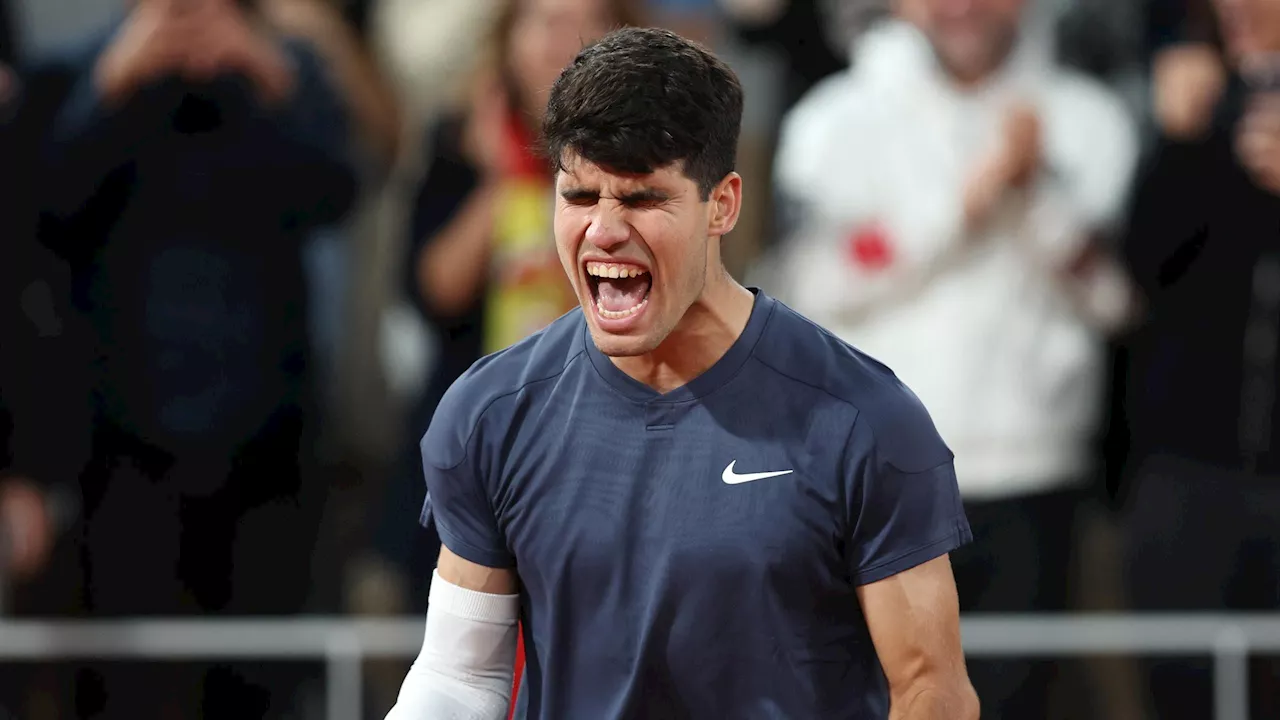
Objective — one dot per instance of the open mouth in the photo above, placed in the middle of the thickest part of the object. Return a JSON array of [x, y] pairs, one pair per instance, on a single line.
[[620, 290]]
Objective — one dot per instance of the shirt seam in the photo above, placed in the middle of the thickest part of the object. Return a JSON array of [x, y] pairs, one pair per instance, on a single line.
[[508, 560], [955, 532], [488, 406], [854, 423]]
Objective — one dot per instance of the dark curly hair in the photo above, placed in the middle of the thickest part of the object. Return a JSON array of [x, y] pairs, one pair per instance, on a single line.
[[640, 99]]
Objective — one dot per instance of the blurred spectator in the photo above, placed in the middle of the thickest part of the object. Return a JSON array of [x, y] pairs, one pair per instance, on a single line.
[[42, 430], [428, 47], [195, 154], [25, 531], [948, 193], [43, 414], [1205, 503], [43, 425]]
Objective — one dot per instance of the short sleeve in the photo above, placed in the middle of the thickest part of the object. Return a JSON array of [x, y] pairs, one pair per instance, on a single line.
[[458, 500], [904, 501]]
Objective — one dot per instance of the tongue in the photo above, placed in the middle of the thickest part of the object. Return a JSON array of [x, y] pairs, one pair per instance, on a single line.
[[620, 294]]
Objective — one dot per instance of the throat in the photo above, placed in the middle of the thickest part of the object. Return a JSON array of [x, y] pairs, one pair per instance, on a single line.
[[706, 333], [622, 295]]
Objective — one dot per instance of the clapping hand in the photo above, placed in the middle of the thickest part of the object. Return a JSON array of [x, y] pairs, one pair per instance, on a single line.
[[24, 520], [193, 39], [1188, 81], [1015, 163], [151, 44], [227, 42], [1258, 141]]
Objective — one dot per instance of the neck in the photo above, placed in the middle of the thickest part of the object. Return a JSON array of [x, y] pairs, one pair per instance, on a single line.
[[709, 328], [969, 79]]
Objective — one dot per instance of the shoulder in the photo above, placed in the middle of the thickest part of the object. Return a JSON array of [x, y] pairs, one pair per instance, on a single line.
[[827, 117], [481, 394], [887, 416], [75, 58], [833, 98]]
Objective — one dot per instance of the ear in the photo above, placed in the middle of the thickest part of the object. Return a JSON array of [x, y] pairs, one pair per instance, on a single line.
[[726, 205]]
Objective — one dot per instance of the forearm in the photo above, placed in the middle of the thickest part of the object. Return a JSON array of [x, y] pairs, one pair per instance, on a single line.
[[428, 693], [304, 141], [1062, 245], [467, 662], [355, 75], [935, 704], [452, 268], [370, 101]]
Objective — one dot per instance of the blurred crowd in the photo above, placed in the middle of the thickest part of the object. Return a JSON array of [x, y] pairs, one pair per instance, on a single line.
[[246, 245]]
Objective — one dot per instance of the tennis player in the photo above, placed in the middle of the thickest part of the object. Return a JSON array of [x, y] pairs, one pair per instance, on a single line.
[[699, 503]]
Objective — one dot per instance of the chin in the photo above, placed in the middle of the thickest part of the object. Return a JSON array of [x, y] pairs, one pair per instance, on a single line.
[[637, 337], [622, 345]]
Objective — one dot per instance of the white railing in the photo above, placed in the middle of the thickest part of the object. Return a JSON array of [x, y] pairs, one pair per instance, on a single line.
[[344, 644]]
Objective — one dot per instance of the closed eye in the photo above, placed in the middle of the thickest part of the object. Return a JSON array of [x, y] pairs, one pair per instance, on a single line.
[[584, 198], [644, 199], [636, 200]]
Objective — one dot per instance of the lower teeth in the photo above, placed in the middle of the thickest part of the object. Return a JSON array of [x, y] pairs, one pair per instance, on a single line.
[[619, 314]]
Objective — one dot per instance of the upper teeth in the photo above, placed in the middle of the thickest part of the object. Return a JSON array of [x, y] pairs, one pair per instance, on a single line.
[[613, 270]]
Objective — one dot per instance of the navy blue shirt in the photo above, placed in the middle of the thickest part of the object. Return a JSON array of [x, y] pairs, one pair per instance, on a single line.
[[693, 554]]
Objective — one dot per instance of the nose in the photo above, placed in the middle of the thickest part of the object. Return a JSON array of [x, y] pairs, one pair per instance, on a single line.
[[608, 229]]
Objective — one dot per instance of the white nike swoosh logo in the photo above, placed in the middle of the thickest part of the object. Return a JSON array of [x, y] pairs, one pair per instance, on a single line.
[[732, 478]]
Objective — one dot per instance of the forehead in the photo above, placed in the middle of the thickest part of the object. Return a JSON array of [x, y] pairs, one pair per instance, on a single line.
[[583, 174]]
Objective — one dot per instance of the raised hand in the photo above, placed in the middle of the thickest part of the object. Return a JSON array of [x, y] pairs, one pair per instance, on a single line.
[[1258, 141], [1015, 162], [229, 42], [1187, 82], [24, 520], [152, 43]]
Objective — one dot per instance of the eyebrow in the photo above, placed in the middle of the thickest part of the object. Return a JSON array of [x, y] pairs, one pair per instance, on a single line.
[[645, 195], [573, 193], [642, 196]]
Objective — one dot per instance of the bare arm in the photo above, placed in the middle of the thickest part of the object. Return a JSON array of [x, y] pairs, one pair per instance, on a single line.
[[452, 267], [470, 576], [914, 618], [364, 89]]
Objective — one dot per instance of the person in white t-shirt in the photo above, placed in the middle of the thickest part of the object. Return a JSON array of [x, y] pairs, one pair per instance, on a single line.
[[946, 198]]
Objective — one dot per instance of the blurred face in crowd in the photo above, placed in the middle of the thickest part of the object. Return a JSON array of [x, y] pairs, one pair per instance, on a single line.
[[972, 38], [545, 37], [1249, 27]]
